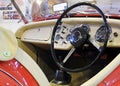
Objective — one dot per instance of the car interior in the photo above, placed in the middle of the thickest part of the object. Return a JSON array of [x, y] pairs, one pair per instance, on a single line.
[[70, 48]]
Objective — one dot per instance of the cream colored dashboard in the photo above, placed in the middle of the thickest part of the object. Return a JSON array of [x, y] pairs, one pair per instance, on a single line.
[[39, 33]]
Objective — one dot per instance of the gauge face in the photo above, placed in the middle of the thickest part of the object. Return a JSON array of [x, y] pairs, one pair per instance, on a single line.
[[58, 29], [101, 34], [57, 37], [68, 37]]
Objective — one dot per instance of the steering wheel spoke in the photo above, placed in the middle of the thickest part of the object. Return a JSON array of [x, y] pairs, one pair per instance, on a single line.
[[69, 54]]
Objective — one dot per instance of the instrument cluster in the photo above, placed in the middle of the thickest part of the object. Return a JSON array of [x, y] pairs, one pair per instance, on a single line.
[[63, 33]]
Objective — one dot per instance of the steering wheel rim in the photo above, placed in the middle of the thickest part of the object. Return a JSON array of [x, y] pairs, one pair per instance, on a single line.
[[59, 22]]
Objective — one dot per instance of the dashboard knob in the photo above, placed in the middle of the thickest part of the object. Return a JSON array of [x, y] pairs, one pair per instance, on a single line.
[[115, 34]]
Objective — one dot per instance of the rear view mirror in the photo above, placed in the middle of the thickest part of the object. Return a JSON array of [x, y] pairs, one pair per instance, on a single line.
[[60, 7]]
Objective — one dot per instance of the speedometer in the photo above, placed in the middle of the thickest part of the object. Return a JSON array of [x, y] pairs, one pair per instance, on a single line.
[[101, 33]]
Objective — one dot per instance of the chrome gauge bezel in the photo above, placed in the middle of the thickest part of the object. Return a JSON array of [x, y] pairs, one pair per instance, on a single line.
[[100, 34]]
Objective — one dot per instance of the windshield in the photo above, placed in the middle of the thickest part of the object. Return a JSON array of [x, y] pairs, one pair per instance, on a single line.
[[48, 8]]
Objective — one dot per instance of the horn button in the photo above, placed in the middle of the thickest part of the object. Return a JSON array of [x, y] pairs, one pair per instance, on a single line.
[[78, 37]]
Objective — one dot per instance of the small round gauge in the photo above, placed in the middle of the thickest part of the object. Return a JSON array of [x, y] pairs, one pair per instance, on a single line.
[[58, 29], [57, 37], [101, 33], [68, 37]]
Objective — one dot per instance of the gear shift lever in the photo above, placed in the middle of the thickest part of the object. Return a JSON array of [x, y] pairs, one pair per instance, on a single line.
[[61, 77]]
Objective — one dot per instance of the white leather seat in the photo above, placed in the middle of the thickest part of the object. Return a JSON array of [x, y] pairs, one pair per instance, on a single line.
[[9, 49]]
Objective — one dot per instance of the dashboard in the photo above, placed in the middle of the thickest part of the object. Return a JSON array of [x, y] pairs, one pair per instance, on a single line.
[[39, 33]]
